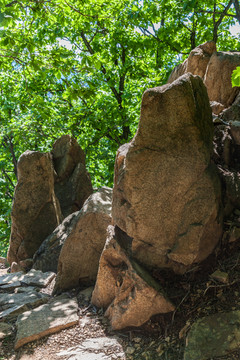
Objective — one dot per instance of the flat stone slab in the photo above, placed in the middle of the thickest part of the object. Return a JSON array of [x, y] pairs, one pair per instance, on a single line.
[[13, 304], [102, 348], [27, 289], [32, 278], [11, 286], [38, 278], [13, 311], [47, 319], [212, 336], [5, 330], [11, 278]]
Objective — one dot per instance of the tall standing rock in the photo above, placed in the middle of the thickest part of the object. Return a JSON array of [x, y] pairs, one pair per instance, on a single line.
[[72, 184], [166, 190], [35, 211]]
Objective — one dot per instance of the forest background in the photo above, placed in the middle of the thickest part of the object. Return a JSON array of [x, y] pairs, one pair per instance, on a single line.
[[80, 68]]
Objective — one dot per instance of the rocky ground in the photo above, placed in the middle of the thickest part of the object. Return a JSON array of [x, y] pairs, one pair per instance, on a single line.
[[196, 295]]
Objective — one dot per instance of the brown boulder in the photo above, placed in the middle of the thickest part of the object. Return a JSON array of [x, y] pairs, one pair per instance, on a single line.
[[129, 293], [216, 70], [218, 77], [79, 257], [35, 211], [166, 190], [72, 183], [199, 57], [196, 63]]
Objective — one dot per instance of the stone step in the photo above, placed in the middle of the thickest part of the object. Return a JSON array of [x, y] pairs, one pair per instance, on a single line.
[[47, 319]]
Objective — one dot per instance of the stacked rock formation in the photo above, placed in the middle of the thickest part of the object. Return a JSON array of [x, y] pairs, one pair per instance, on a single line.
[[166, 202], [39, 205], [167, 194], [215, 68]]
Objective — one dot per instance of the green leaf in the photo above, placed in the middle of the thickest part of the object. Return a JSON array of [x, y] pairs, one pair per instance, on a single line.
[[236, 77]]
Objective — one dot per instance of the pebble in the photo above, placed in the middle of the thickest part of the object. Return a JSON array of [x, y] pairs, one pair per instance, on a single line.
[[130, 350], [137, 339]]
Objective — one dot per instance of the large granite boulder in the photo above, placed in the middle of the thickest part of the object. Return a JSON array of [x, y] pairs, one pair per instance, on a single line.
[[216, 70], [166, 193], [35, 211], [72, 183], [196, 63], [46, 257], [79, 257], [218, 74], [125, 289]]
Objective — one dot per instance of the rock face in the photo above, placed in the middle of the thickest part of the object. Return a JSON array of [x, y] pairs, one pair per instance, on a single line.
[[166, 190], [196, 63], [79, 257], [18, 294], [218, 77], [72, 184], [129, 293], [215, 68], [46, 258], [35, 211]]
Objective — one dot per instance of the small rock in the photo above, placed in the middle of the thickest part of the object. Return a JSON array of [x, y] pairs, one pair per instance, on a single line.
[[5, 330], [130, 350], [15, 267], [86, 293], [26, 264], [220, 276], [137, 339], [234, 234]]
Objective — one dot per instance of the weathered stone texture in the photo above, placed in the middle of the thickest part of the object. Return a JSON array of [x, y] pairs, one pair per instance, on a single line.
[[213, 336], [215, 68], [166, 190], [59, 314], [35, 211], [72, 183], [218, 77], [196, 63], [46, 258], [129, 293], [79, 257]]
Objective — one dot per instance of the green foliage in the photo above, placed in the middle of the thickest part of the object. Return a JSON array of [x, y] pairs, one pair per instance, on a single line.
[[236, 77], [92, 87]]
